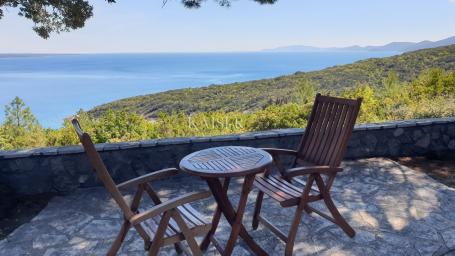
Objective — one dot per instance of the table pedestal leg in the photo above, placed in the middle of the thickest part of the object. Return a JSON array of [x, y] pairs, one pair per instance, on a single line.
[[235, 218], [216, 219]]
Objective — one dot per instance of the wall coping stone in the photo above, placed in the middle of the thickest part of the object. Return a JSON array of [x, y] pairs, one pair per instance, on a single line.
[[71, 149], [405, 124], [360, 127], [199, 139], [374, 126], [230, 137], [111, 146], [145, 143], [289, 131], [77, 149], [173, 141]]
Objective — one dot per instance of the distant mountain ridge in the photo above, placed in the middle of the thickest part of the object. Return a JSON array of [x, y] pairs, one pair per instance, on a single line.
[[392, 47]]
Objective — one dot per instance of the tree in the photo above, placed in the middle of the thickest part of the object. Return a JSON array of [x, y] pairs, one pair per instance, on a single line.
[[115, 126], [227, 3], [4, 144], [393, 98], [51, 16], [64, 15], [290, 115], [306, 91], [21, 129], [18, 115], [66, 135], [370, 104]]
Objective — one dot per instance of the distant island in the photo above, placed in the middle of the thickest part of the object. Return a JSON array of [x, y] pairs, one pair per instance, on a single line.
[[390, 47]]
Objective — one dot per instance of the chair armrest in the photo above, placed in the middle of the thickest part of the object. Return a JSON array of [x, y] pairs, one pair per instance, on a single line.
[[148, 177], [168, 205], [281, 151], [276, 152], [317, 169]]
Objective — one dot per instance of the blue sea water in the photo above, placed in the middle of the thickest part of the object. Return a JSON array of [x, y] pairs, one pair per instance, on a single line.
[[56, 86]]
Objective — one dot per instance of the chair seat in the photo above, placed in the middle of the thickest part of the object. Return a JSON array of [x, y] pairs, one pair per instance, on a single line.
[[195, 221], [284, 192]]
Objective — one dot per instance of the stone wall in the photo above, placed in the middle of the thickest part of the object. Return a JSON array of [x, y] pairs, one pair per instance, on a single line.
[[62, 169]]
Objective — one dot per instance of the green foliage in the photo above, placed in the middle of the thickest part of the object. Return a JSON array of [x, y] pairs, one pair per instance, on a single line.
[[20, 128], [433, 83], [51, 16], [369, 110], [18, 116], [3, 140], [66, 134], [393, 98], [256, 95], [290, 115], [306, 91], [201, 124], [194, 4], [111, 127], [122, 126], [438, 106], [432, 94]]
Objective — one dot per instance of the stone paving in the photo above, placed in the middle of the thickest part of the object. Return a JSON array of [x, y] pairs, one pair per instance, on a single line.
[[394, 210]]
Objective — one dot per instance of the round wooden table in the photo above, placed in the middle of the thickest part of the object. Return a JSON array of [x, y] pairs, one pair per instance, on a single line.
[[218, 163]]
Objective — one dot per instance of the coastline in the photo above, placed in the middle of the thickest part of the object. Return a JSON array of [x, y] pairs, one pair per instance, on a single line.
[[86, 81]]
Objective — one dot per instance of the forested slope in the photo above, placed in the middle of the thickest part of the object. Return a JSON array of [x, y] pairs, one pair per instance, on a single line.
[[254, 95]]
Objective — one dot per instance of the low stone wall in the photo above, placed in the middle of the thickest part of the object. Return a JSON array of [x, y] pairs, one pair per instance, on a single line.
[[63, 169]]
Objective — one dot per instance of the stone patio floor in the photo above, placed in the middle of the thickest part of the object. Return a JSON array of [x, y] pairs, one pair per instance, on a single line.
[[394, 210]]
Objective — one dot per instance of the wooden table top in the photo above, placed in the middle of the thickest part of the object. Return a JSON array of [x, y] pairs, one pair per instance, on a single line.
[[229, 161]]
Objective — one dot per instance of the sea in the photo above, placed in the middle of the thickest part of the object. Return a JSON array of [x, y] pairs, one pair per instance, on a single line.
[[56, 86]]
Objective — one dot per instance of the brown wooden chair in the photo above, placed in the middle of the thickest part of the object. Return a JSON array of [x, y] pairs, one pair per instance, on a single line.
[[318, 157], [163, 224]]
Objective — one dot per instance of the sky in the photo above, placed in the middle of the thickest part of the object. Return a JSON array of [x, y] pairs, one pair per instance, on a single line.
[[146, 26]]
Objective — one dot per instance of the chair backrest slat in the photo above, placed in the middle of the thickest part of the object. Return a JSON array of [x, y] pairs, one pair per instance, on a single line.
[[349, 126], [335, 134], [328, 131], [314, 125], [321, 123], [101, 170]]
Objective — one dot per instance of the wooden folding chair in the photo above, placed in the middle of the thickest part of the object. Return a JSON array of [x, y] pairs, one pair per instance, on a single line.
[[163, 224], [319, 155]]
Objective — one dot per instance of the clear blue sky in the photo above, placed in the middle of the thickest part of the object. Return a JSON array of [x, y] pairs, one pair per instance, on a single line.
[[144, 26]]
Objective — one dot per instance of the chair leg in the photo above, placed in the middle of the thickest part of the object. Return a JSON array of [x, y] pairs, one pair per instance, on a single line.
[[342, 223], [308, 210], [178, 248], [298, 216], [257, 209], [293, 231], [186, 233], [158, 239], [119, 239]]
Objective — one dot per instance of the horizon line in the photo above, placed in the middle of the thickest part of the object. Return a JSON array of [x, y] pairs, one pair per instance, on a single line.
[[268, 49], [328, 50]]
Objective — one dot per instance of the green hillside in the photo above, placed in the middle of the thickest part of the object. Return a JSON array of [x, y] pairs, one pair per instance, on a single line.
[[255, 95]]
